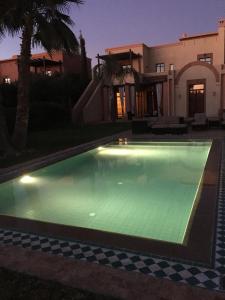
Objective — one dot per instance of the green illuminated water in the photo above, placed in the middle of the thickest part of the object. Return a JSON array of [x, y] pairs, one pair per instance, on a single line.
[[140, 189]]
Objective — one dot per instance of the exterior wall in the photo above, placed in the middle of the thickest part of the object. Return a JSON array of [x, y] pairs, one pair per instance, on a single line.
[[138, 63], [186, 51], [41, 70], [9, 68], [181, 54], [94, 109], [56, 55], [223, 91], [212, 91], [70, 64]]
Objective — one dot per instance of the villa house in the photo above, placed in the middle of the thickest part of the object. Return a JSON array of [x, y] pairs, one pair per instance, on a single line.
[[177, 79], [42, 63]]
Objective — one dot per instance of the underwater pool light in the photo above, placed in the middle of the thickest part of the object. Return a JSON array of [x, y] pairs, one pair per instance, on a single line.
[[27, 179]]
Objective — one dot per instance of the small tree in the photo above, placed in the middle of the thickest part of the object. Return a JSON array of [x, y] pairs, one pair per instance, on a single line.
[[84, 63]]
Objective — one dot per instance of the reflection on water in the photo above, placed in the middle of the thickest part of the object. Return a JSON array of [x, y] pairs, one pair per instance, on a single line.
[[127, 188]]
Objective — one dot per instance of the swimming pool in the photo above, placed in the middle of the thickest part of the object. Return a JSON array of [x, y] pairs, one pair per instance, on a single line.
[[138, 189]]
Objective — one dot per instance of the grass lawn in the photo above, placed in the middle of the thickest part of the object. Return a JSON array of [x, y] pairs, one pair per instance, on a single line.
[[49, 141], [18, 286]]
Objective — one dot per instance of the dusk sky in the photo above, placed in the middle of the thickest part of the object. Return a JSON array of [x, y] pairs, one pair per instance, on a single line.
[[109, 23]]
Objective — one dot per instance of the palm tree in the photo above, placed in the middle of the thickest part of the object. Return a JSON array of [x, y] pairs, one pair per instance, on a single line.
[[6, 148], [40, 22]]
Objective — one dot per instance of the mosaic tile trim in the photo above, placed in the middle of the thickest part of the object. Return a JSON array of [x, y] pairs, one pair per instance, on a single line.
[[119, 259], [158, 267], [220, 232]]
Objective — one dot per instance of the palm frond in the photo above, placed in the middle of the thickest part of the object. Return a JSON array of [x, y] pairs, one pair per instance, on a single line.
[[54, 35]]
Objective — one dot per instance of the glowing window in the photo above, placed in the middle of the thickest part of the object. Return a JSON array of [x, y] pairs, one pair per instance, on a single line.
[[160, 67], [172, 67], [49, 73], [7, 80], [208, 58], [126, 68], [198, 87]]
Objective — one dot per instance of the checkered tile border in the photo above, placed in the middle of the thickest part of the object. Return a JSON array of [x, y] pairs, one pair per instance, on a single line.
[[158, 267]]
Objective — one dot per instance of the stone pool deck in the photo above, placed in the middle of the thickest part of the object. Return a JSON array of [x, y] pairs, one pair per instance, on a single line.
[[124, 281], [99, 279]]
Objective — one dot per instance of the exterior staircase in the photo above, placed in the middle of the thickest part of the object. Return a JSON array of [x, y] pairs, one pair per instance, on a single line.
[[88, 108]]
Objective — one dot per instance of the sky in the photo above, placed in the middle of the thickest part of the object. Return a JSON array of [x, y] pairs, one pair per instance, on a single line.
[[111, 23]]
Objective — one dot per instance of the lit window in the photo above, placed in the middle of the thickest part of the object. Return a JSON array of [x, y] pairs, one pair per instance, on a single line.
[[172, 67], [160, 67], [49, 73], [7, 80], [208, 58], [127, 68], [198, 88]]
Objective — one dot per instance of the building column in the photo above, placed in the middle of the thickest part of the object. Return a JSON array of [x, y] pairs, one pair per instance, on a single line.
[[127, 99], [107, 107], [165, 97], [222, 91]]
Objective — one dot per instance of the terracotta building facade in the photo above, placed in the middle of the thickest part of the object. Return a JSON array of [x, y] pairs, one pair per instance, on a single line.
[[177, 79], [42, 63]]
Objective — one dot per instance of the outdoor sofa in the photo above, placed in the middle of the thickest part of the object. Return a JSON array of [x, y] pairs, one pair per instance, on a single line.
[[222, 121], [169, 124]]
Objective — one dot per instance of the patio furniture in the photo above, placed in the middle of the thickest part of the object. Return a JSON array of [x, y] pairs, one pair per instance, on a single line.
[[213, 121], [169, 124], [142, 125], [139, 126], [188, 120], [200, 121]]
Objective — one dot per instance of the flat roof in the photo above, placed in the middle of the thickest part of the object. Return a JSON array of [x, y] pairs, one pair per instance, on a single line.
[[39, 62], [197, 36], [127, 46], [120, 56], [187, 37]]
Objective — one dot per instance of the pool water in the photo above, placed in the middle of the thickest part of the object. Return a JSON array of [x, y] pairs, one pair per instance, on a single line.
[[138, 189]]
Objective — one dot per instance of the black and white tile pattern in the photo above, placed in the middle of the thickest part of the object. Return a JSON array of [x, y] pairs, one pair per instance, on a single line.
[[193, 275], [158, 267], [220, 233]]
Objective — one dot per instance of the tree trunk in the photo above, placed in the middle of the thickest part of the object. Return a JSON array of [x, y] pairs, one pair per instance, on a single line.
[[22, 114], [6, 148]]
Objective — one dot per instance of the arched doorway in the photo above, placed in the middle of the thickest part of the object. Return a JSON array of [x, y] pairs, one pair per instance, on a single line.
[[196, 97]]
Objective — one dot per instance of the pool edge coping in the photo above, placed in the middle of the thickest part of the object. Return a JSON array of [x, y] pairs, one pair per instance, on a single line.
[[96, 237]]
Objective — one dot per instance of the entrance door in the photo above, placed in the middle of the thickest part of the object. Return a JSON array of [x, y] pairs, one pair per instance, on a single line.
[[120, 102], [196, 98]]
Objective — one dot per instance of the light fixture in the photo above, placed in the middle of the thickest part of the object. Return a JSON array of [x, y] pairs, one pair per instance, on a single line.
[[92, 214], [27, 179]]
